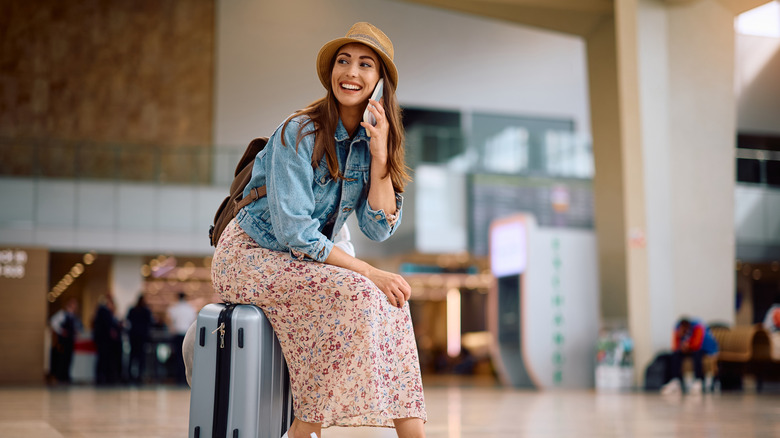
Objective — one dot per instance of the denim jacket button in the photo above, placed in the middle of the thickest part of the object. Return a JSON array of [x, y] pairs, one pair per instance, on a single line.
[[378, 217], [323, 179]]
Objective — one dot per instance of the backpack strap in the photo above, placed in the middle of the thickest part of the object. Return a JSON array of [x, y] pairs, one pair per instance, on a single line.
[[254, 194], [258, 192], [235, 201]]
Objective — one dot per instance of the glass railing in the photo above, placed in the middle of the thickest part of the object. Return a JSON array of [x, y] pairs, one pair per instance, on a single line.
[[756, 166], [214, 165], [152, 163], [511, 151]]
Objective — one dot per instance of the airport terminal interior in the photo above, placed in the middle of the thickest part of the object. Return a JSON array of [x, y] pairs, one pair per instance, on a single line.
[[586, 175]]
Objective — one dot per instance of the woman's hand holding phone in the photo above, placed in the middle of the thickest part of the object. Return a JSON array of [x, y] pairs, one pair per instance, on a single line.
[[375, 123], [381, 194], [370, 114]]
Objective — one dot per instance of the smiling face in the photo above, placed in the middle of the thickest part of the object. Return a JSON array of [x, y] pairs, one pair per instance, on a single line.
[[354, 76]]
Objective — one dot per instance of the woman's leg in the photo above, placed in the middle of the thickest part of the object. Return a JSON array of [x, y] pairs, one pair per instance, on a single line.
[[302, 429], [342, 339], [409, 427]]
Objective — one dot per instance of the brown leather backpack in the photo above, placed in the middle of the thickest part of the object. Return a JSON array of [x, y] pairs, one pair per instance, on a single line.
[[235, 201]]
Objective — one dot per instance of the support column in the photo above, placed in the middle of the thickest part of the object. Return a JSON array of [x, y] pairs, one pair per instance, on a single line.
[[702, 137], [663, 115], [619, 182], [608, 184]]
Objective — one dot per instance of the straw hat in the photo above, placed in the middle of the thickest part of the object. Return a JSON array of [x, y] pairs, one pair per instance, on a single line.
[[364, 33]]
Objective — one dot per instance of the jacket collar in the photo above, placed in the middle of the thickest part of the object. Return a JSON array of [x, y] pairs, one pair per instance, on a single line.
[[342, 134]]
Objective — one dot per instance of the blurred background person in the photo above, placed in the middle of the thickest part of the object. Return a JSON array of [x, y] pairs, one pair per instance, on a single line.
[[180, 316], [772, 319], [772, 326], [139, 323], [692, 338], [65, 325], [106, 332]]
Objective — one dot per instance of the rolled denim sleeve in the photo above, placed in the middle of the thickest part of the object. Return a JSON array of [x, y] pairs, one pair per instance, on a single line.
[[375, 224], [290, 195]]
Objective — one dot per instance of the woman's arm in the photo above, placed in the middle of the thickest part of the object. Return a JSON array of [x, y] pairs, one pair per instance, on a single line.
[[344, 241], [381, 195], [291, 201], [392, 285]]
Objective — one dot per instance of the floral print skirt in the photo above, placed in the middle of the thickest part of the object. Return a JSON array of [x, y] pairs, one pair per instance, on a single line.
[[352, 356]]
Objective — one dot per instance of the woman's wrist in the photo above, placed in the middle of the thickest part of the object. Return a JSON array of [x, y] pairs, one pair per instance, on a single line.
[[365, 270], [380, 171], [379, 163]]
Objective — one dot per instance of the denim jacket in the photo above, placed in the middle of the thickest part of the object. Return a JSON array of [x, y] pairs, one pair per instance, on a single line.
[[300, 198]]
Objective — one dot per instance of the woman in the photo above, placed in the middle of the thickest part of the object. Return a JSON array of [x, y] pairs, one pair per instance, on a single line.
[[344, 326]]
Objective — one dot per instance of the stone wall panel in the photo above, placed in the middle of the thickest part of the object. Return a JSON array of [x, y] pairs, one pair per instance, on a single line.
[[107, 73]]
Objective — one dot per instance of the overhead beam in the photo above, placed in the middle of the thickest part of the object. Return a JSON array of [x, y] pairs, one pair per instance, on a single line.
[[735, 6], [534, 13], [739, 6], [601, 6]]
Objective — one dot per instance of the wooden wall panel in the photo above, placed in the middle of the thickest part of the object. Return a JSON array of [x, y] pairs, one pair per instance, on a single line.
[[23, 322], [104, 74]]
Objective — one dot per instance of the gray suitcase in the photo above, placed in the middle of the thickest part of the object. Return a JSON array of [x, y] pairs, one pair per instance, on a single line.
[[240, 382]]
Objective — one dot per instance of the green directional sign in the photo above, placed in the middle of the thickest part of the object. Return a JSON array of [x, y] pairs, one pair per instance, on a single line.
[[558, 321]]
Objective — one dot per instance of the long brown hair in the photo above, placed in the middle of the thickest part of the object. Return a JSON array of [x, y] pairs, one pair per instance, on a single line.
[[324, 113]]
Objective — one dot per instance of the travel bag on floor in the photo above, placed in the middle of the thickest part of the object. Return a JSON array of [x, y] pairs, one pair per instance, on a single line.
[[659, 372], [240, 382]]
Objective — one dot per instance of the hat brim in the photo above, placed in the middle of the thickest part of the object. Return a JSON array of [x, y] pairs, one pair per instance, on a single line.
[[328, 51]]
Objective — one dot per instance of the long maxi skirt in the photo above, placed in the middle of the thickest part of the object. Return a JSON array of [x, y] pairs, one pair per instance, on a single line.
[[352, 356]]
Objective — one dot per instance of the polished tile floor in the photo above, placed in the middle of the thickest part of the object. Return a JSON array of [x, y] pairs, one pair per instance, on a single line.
[[456, 409]]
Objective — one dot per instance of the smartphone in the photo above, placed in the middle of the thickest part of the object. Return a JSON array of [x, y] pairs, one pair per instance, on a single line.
[[376, 95]]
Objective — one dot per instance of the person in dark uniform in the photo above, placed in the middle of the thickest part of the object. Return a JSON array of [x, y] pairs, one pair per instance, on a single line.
[[108, 341], [140, 320], [65, 324]]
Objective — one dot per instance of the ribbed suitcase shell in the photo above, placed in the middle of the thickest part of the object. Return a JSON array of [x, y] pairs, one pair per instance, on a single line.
[[240, 382]]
